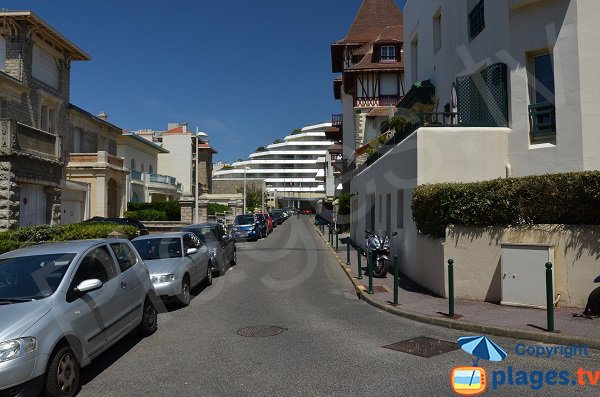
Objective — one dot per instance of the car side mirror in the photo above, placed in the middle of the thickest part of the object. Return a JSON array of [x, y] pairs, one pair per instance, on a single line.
[[88, 286], [191, 251], [225, 237]]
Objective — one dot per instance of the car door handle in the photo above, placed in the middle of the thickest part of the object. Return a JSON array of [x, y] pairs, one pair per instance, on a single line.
[[123, 285]]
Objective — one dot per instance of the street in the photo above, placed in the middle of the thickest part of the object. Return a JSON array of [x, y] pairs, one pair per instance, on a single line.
[[331, 344]]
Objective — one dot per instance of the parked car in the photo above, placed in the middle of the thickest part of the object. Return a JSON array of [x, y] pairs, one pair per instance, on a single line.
[[246, 227], [62, 305], [178, 262], [263, 226], [122, 221], [269, 221], [277, 216], [220, 244], [308, 211]]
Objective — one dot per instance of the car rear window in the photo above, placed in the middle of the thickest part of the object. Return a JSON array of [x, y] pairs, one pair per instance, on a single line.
[[244, 220]]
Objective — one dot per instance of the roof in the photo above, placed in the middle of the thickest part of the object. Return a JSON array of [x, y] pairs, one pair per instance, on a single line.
[[372, 17], [381, 111], [145, 141], [74, 52], [177, 130], [369, 62], [95, 118]]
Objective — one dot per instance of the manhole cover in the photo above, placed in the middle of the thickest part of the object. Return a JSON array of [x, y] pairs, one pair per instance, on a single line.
[[261, 331], [424, 347]]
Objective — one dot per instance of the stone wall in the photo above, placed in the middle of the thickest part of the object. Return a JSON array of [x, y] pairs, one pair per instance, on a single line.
[[228, 186]]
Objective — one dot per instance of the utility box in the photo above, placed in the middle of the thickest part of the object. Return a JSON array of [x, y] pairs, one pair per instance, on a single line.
[[524, 274]]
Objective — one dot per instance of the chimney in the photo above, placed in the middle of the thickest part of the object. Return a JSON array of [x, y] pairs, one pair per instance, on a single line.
[[103, 116]]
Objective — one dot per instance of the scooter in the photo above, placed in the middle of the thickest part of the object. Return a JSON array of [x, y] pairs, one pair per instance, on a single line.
[[379, 245], [593, 305]]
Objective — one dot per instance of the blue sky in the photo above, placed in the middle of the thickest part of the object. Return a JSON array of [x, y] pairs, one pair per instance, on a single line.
[[245, 71]]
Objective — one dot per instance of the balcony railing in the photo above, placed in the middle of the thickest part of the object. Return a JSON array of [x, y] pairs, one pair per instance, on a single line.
[[542, 119], [337, 119], [137, 175], [90, 159], [382, 100], [21, 137], [165, 179]]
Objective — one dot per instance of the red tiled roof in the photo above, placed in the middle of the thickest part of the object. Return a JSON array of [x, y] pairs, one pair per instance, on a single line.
[[176, 130], [369, 63], [380, 111], [372, 17]]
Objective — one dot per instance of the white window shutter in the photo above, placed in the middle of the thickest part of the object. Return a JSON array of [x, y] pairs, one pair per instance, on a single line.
[[45, 68]]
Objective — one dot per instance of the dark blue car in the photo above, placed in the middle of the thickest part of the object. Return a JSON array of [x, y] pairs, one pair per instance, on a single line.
[[246, 227]]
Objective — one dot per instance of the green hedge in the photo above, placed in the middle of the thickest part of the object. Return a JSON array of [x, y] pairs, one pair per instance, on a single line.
[[569, 198], [217, 208], [171, 210], [14, 239], [147, 215]]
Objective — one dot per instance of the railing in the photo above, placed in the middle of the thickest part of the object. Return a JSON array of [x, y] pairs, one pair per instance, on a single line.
[[165, 179], [337, 120], [137, 175], [438, 119], [542, 119], [382, 100]]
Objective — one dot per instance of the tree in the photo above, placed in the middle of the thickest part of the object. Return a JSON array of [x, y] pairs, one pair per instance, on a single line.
[[260, 149], [253, 197], [276, 141], [296, 131]]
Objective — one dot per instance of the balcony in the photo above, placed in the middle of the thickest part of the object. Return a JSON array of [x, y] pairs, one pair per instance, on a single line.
[[382, 100], [337, 120], [30, 140], [93, 159], [542, 120], [137, 175], [163, 179]]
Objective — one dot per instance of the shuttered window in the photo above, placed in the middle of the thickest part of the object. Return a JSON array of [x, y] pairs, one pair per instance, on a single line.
[[45, 68], [2, 53]]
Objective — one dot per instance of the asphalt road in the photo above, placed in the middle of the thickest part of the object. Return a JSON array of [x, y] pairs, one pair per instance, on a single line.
[[332, 343]]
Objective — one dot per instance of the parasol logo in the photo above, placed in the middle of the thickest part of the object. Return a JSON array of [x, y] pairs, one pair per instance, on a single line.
[[472, 380]]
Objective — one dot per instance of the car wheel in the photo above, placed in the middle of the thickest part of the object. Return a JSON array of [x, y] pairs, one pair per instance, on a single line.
[[208, 279], [149, 322], [62, 375], [185, 297]]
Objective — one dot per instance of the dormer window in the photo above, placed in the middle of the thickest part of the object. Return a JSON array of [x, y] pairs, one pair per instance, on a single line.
[[388, 53]]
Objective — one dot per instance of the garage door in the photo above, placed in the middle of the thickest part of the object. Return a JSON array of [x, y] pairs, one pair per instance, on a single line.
[[33, 205]]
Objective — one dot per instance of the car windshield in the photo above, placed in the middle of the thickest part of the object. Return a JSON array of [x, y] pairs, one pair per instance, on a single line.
[[33, 276], [260, 217], [205, 234], [244, 220], [159, 248]]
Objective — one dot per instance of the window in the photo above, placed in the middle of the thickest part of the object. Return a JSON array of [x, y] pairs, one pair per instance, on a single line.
[[142, 167], [543, 79], [45, 67], [48, 119], [150, 169], [3, 108], [44, 118], [414, 61], [125, 257], [52, 121], [400, 209], [98, 264], [2, 53], [190, 241], [76, 140], [388, 53], [542, 112], [132, 164], [476, 20], [437, 32]]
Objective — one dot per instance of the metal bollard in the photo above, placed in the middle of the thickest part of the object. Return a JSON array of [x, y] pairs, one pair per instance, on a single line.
[[337, 241], [451, 287], [549, 297], [395, 279], [359, 254], [370, 270], [348, 251]]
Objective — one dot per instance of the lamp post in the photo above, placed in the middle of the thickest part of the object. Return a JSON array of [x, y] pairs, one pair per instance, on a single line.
[[245, 169], [197, 140]]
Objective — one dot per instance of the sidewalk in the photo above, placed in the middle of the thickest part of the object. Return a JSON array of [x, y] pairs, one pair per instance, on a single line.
[[478, 317]]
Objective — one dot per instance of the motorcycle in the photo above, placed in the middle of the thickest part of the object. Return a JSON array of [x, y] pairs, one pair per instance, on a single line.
[[593, 305], [379, 245]]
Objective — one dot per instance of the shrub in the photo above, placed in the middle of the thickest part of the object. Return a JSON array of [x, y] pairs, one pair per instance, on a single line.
[[296, 131], [9, 245], [344, 204], [569, 198], [170, 209], [398, 122], [217, 208], [261, 149], [147, 215]]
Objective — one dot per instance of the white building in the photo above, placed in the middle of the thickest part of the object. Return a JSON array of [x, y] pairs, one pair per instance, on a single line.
[[519, 79], [144, 184], [296, 171]]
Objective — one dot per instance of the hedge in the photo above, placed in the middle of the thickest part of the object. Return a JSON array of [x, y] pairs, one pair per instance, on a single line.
[[171, 210], [214, 208], [14, 239], [568, 198], [147, 215]]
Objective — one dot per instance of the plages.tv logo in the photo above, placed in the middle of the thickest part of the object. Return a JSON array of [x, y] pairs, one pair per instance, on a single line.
[[472, 380]]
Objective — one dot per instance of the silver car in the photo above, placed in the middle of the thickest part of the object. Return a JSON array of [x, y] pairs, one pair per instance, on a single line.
[[177, 262], [219, 242], [61, 305]]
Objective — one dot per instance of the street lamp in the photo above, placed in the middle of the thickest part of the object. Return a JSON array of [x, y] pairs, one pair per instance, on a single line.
[[245, 169], [198, 135]]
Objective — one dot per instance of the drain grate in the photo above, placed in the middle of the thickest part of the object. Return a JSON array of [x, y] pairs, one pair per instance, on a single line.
[[260, 331], [424, 347]]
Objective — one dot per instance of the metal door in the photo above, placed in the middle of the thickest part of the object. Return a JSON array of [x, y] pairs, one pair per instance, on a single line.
[[32, 205]]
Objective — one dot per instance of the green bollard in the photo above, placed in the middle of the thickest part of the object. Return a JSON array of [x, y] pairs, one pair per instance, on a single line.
[[395, 279], [359, 254], [549, 297], [348, 251], [451, 287], [370, 271], [337, 241]]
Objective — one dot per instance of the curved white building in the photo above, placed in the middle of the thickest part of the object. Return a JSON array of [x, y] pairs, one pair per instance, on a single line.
[[295, 171]]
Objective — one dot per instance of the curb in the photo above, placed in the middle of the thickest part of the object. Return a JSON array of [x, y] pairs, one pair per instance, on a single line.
[[462, 325]]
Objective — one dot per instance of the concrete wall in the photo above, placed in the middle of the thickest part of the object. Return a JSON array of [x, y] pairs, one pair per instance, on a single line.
[[129, 149], [178, 162], [477, 259]]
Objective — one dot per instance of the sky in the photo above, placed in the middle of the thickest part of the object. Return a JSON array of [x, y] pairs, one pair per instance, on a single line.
[[246, 72]]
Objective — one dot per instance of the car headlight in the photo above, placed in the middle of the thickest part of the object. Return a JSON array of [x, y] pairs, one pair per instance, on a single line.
[[162, 278], [12, 349]]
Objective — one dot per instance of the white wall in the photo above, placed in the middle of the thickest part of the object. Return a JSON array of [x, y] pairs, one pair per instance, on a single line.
[[349, 139], [177, 163], [131, 150]]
